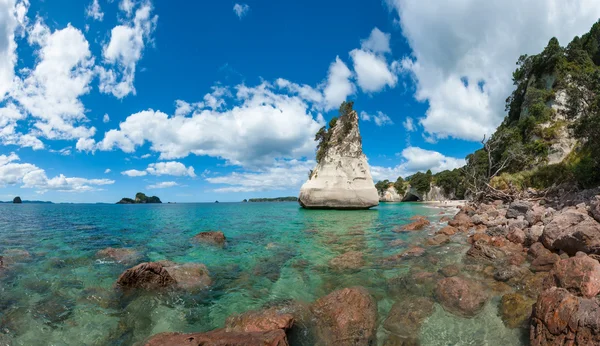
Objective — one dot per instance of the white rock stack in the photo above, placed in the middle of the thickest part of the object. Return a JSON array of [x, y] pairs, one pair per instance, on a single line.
[[342, 178]]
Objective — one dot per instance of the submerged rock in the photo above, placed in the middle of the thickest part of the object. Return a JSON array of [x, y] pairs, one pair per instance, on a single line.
[[119, 254], [211, 237], [460, 296], [220, 337], [545, 262], [351, 260], [153, 276], [342, 178], [417, 225], [405, 319], [259, 321], [346, 317], [515, 310]]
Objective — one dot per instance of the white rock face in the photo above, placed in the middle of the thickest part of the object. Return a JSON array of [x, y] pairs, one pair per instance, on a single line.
[[342, 179], [390, 195]]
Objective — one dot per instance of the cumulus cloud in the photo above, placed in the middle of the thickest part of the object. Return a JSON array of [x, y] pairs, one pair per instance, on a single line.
[[413, 160], [173, 168], [380, 118], [12, 20], [409, 124], [339, 86], [125, 48], [30, 176], [284, 175], [378, 42], [105, 118], [473, 42], [94, 11], [162, 185], [50, 92], [241, 10], [106, 171], [267, 124], [373, 73], [134, 173]]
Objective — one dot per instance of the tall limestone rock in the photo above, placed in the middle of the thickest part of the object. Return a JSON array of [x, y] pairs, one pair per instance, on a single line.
[[342, 178]]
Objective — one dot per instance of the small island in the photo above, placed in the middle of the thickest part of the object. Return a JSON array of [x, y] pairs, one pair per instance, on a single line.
[[276, 199], [17, 200], [140, 198]]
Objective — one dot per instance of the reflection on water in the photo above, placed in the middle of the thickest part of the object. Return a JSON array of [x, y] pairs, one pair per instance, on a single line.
[[57, 291]]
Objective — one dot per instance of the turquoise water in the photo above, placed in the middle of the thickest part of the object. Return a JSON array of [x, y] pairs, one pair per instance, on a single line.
[[60, 293]]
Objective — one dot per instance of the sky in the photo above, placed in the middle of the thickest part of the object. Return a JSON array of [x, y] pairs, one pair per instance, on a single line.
[[197, 101]]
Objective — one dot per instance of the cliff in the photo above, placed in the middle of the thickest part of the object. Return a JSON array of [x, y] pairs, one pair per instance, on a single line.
[[435, 193], [342, 178], [140, 198]]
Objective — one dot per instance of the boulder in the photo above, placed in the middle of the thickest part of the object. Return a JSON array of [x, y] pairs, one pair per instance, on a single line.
[[595, 208], [342, 178], [461, 220], [449, 270], [190, 276], [518, 208], [481, 251], [437, 239], [220, 337], [538, 249], [533, 234], [517, 236], [572, 231], [211, 237], [579, 275], [259, 321], [515, 310], [460, 296], [346, 317], [121, 255], [506, 273], [544, 262], [448, 230], [351, 260], [416, 225], [406, 317], [418, 283], [152, 276], [561, 318]]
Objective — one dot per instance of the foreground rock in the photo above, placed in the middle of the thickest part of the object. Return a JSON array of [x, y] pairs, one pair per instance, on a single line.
[[515, 310], [121, 255], [417, 225], [155, 276], [342, 178], [405, 319], [346, 317], [460, 296], [561, 318], [211, 237], [259, 321], [579, 275], [220, 337], [351, 260], [571, 231]]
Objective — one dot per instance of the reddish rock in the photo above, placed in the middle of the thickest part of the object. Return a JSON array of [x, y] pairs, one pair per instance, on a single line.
[[480, 251], [418, 217], [259, 321], [211, 237], [450, 270], [190, 276], [438, 239], [461, 220], [416, 225], [119, 254], [448, 230], [346, 317], [445, 219], [517, 259], [517, 236], [351, 260], [579, 275], [482, 237], [415, 251], [406, 317], [538, 249], [460, 296], [220, 337], [533, 234], [560, 318], [419, 283], [164, 275], [515, 310], [572, 231], [544, 263]]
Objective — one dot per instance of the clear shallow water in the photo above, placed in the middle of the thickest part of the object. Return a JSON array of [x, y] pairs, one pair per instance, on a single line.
[[62, 294]]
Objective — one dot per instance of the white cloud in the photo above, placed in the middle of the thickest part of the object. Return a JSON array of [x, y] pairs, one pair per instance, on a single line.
[[338, 86], [409, 124], [283, 175], [12, 19], [171, 168], [50, 93], [378, 42], [134, 173], [105, 118], [372, 71], [415, 160], [106, 171], [162, 185], [94, 11], [475, 41], [31, 176], [266, 124], [127, 6], [125, 48], [145, 156], [241, 10], [380, 119]]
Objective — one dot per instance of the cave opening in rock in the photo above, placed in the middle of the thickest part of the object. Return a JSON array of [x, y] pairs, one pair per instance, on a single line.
[[411, 198]]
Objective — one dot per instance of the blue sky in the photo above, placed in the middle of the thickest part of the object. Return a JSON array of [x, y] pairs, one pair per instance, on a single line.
[[219, 100]]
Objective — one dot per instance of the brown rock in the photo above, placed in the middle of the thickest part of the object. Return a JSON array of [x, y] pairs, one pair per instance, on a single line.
[[119, 254], [480, 237], [259, 321], [397, 242], [438, 239], [190, 276], [346, 317], [406, 317], [595, 208], [415, 251], [538, 249], [146, 276], [448, 230], [419, 283], [517, 236], [460, 296], [450, 270], [220, 337], [461, 220], [351, 260], [515, 310], [572, 231], [445, 219], [211, 237], [416, 225], [480, 251], [579, 275], [544, 263]]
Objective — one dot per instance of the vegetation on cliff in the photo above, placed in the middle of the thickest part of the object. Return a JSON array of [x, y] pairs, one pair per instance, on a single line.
[[324, 137], [140, 198]]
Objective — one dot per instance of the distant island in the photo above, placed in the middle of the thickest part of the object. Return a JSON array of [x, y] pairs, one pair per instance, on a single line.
[[17, 200], [140, 198], [277, 199]]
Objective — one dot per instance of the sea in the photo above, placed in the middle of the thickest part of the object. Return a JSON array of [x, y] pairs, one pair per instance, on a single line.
[[56, 290]]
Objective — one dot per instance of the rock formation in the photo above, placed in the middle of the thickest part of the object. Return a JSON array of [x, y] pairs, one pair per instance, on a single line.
[[140, 198], [436, 193], [17, 200], [341, 179]]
